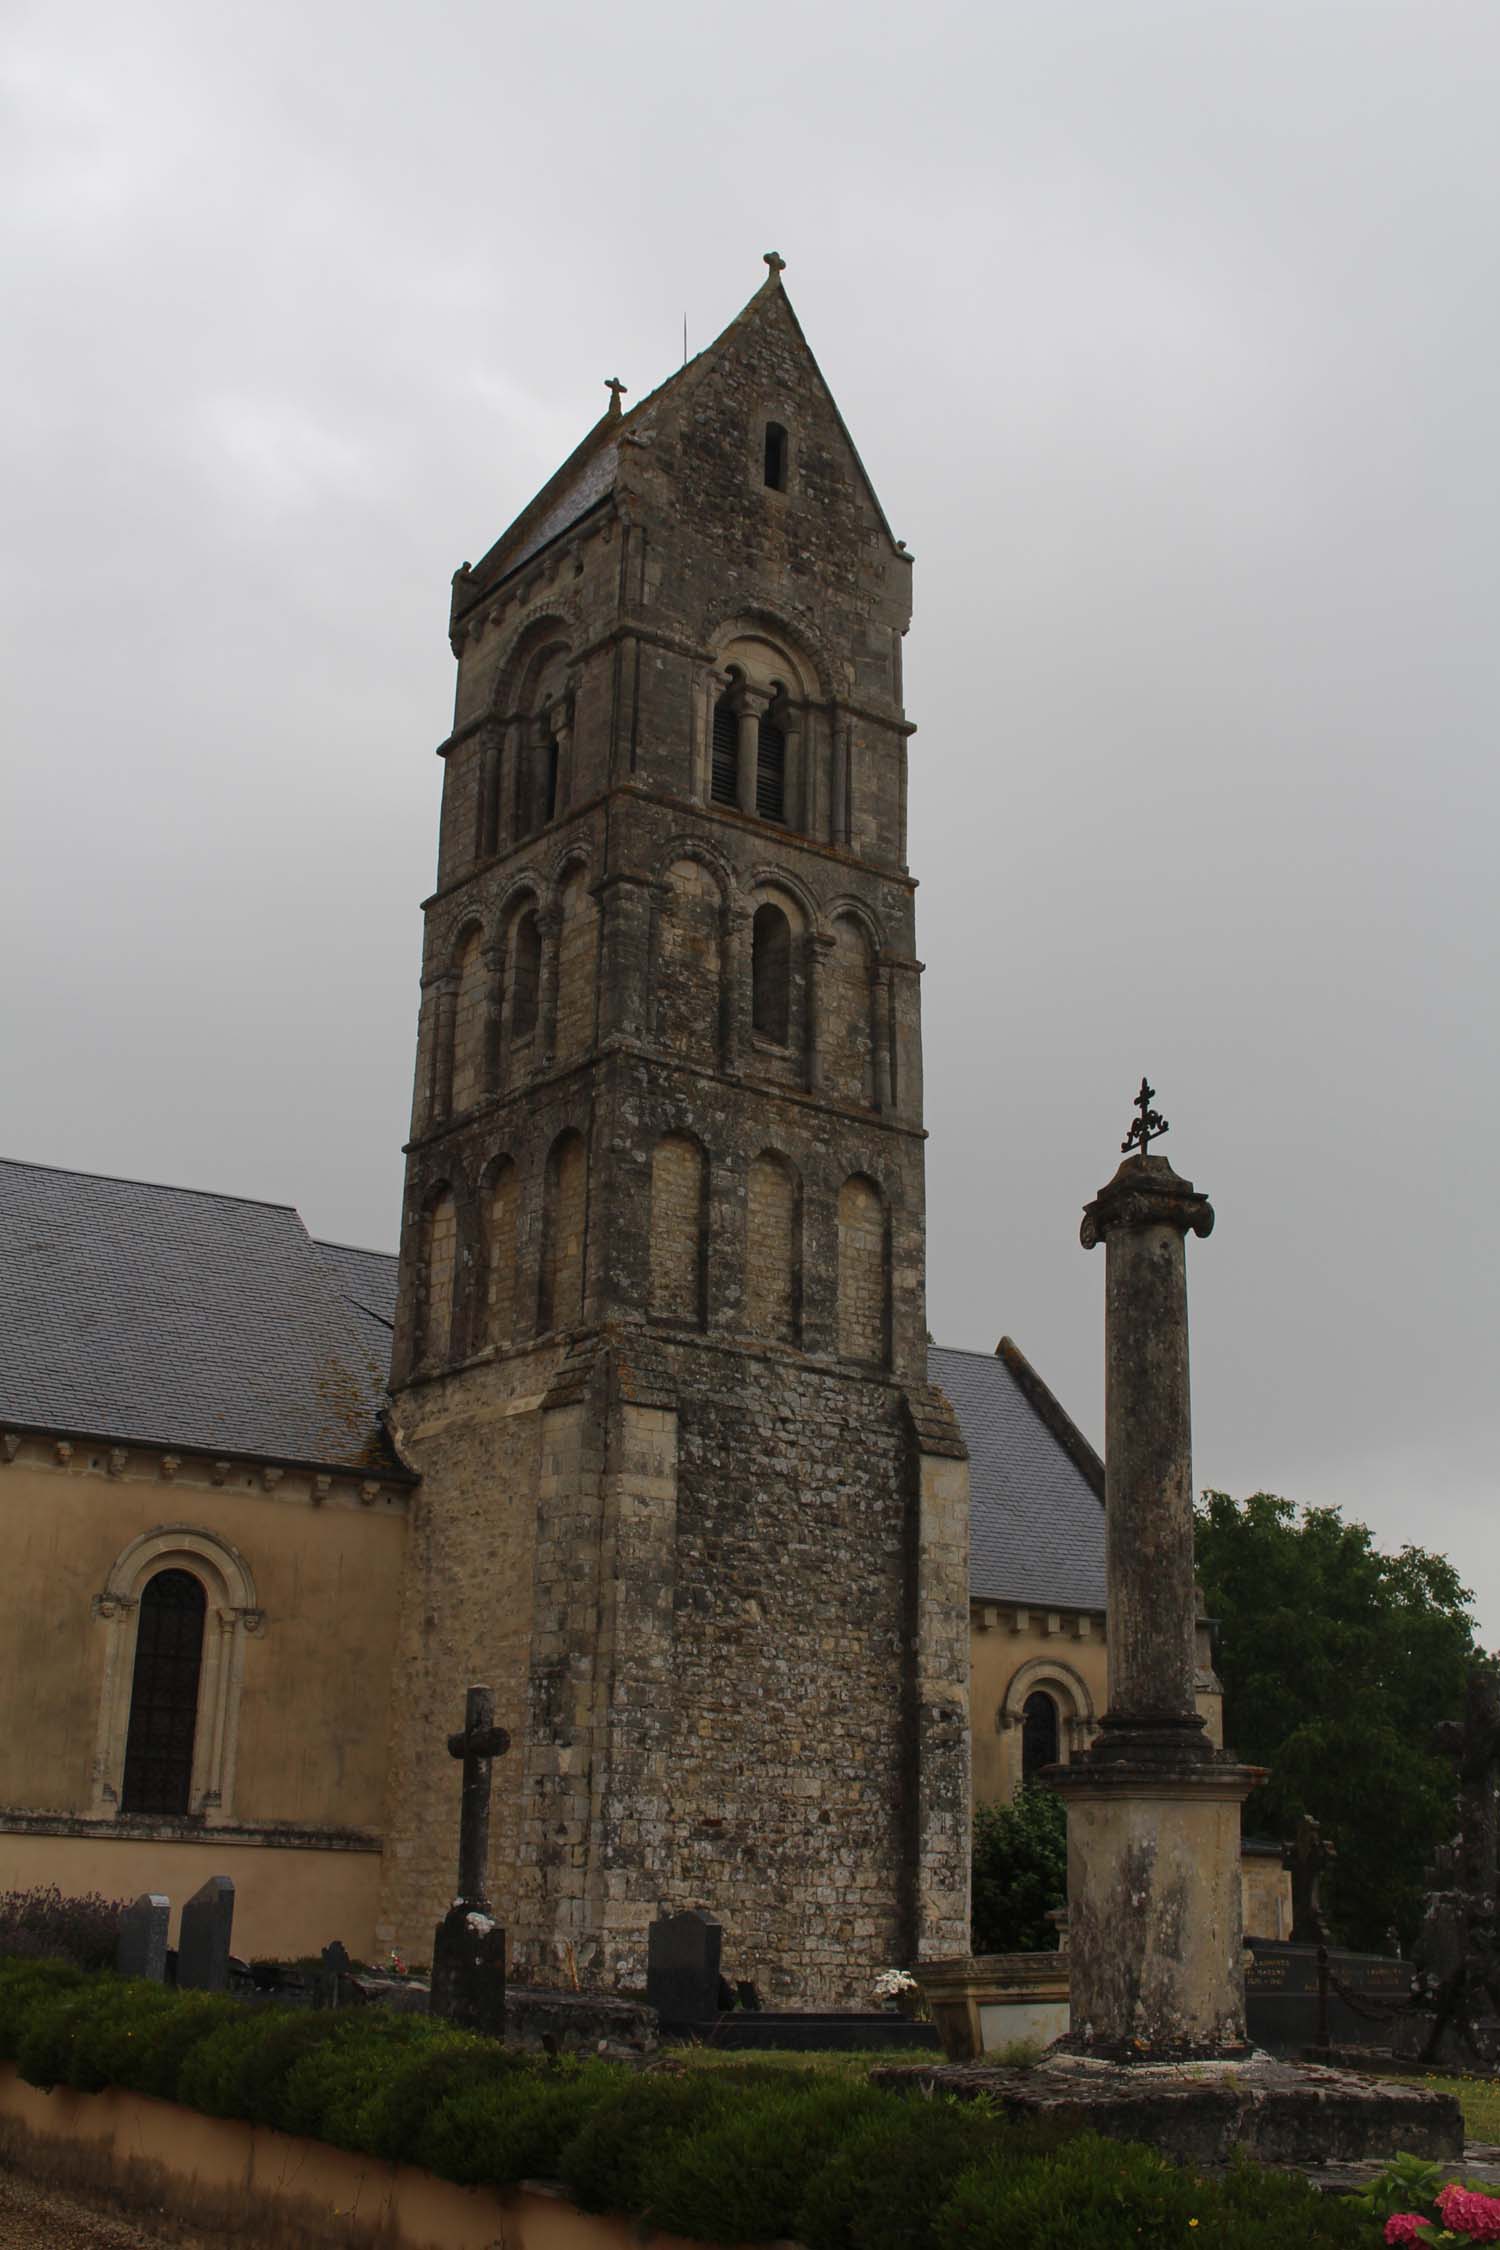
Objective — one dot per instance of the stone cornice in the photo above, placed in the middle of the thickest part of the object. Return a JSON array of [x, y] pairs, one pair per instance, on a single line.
[[1145, 1192], [128, 1829], [347, 1487]]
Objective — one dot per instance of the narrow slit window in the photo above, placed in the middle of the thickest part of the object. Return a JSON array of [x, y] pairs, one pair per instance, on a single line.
[[164, 1695], [771, 974], [776, 450], [725, 788], [549, 781], [770, 771]]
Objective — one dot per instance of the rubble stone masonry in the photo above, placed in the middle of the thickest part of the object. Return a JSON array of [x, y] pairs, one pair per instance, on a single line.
[[687, 1501]]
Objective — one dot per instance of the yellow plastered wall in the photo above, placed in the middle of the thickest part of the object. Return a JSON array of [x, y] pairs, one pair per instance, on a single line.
[[313, 1658], [1012, 1652]]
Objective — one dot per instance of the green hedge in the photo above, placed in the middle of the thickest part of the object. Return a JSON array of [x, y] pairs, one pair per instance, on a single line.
[[747, 2153]]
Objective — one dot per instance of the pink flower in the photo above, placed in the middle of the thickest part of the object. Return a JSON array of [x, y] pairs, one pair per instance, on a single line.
[[1406, 2226], [1466, 2211]]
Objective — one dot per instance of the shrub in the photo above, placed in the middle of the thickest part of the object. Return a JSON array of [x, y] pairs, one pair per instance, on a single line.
[[24, 1982], [329, 2084], [389, 2121], [42, 1924], [514, 2127], [1020, 1872], [883, 2188], [164, 2037], [609, 2164], [741, 2177]]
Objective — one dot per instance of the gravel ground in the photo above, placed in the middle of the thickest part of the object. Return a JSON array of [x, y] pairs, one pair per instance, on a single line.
[[38, 2218]]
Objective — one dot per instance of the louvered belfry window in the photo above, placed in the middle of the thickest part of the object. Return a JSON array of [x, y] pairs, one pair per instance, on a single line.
[[770, 771], [164, 1695], [726, 774]]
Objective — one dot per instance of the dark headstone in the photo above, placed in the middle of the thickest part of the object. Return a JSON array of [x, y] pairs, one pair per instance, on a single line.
[[748, 1996], [203, 1940], [141, 1948], [335, 1967], [468, 1971], [682, 1966]]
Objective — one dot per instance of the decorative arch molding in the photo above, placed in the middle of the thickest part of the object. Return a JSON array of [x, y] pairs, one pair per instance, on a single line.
[[572, 855], [803, 641], [472, 925], [771, 878], [693, 847], [233, 1615], [849, 909], [1079, 1721], [541, 631]]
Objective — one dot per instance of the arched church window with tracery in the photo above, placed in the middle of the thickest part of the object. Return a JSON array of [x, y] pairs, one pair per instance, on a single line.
[[771, 974], [164, 1695], [1040, 1734]]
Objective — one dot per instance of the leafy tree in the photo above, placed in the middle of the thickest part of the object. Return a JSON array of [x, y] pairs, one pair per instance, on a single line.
[[1337, 1661], [1020, 1872]]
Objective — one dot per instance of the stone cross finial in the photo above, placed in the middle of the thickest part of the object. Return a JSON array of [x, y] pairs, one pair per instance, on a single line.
[[1148, 1127], [776, 262], [616, 390], [1305, 1859], [480, 1741]]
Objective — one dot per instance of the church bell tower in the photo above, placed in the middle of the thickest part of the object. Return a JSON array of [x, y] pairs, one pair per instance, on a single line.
[[687, 1501]]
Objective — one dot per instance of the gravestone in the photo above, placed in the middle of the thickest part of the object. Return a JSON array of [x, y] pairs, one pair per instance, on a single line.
[[468, 1947], [682, 1967], [141, 1949], [1306, 1858], [203, 1939], [326, 1990]]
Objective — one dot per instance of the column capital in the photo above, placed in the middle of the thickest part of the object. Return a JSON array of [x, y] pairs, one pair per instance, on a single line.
[[1145, 1192]]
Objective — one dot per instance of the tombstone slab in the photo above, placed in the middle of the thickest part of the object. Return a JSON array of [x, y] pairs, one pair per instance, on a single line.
[[203, 1940], [468, 1970], [141, 1949], [682, 1966]]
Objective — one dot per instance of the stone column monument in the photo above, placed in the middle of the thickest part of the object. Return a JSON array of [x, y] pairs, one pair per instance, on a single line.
[[1154, 1918]]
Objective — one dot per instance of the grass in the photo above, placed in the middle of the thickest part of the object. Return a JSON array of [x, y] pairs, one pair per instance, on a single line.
[[1480, 2101]]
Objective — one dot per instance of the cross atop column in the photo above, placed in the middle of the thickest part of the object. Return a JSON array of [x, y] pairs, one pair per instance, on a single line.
[[479, 1742], [1148, 1127]]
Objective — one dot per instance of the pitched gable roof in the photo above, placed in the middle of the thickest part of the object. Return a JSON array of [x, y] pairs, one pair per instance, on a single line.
[[1037, 1486], [589, 474], [162, 1316]]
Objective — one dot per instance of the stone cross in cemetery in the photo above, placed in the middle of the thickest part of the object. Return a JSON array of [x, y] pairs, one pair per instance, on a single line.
[[1454, 2019], [1155, 1930], [1306, 1858], [203, 1939], [141, 1948], [468, 1952]]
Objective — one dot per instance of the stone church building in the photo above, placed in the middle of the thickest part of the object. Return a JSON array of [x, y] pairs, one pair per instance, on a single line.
[[643, 1426]]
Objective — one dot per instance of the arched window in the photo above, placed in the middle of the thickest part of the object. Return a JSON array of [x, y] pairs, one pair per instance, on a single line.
[[525, 975], [689, 954], [773, 1280], [725, 784], [776, 457], [1039, 1734], [469, 1024], [862, 1275], [577, 965], [499, 1319], [564, 1215], [771, 973], [678, 1233], [439, 1261], [164, 1695], [770, 769]]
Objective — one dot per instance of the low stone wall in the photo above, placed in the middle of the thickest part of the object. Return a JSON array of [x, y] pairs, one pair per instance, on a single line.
[[245, 2183]]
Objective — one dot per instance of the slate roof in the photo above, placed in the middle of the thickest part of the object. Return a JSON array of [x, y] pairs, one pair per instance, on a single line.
[[1036, 1531], [159, 1315]]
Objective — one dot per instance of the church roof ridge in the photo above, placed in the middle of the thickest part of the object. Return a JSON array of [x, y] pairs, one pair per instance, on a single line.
[[159, 1187]]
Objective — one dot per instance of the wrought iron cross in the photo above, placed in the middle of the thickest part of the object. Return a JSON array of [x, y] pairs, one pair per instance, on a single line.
[[1148, 1127], [480, 1741]]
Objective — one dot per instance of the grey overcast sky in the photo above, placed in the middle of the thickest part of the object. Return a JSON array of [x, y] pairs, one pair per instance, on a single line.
[[1168, 333]]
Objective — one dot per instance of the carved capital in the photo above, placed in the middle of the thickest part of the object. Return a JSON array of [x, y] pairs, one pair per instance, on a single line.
[[105, 1608], [1145, 1192]]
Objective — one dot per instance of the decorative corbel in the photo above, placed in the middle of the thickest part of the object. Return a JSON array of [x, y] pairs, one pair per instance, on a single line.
[[117, 1460], [170, 1464]]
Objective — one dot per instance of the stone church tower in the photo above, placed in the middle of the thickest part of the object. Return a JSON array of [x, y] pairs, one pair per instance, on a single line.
[[687, 1500]]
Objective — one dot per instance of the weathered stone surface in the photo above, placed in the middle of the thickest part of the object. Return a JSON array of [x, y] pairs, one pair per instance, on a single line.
[[661, 1304], [203, 1939], [576, 2023], [141, 1949], [1279, 2113]]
